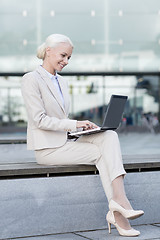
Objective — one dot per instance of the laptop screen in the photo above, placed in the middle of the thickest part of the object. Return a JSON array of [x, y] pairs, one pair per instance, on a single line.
[[114, 111]]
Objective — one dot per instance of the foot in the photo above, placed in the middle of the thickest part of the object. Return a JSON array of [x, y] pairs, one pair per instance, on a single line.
[[126, 231], [124, 208], [122, 221]]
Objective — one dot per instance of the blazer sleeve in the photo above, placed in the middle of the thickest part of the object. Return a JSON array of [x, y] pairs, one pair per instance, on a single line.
[[37, 117]]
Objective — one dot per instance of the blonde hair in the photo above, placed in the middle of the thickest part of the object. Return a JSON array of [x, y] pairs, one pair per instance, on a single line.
[[52, 41]]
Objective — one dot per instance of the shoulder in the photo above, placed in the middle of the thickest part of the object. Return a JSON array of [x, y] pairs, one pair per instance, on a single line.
[[30, 79], [30, 75]]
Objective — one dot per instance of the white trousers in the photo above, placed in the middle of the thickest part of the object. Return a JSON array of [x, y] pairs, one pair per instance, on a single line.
[[102, 150]]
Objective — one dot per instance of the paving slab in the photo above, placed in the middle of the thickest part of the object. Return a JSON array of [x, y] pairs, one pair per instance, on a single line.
[[148, 232], [140, 143], [157, 224], [66, 236], [15, 153]]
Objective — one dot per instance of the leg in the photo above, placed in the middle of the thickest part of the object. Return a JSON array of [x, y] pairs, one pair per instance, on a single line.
[[79, 152], [70, 153], [100, 149], [119, 194], [110, 164], [111, 171], [120, 197]]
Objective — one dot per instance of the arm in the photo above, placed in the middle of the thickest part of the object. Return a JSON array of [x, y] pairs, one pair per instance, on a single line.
[[37, 116]]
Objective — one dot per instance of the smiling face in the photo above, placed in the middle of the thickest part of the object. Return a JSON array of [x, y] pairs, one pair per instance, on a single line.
[[57, 58]]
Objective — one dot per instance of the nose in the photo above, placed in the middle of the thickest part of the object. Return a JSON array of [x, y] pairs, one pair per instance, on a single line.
[[66, 60]]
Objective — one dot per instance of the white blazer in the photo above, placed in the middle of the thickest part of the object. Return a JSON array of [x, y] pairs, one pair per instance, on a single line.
[[48, 121]]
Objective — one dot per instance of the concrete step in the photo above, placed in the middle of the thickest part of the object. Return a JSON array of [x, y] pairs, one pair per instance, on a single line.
[[40, 206]]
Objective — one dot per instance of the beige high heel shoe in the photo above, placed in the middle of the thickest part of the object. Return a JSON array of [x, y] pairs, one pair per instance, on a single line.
[[123, 232], [129, 214]]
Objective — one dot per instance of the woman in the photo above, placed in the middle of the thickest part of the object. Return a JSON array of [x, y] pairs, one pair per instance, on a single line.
[[47, 102]]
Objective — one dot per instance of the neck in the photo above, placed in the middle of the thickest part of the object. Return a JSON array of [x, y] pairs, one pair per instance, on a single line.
[[48, 68]]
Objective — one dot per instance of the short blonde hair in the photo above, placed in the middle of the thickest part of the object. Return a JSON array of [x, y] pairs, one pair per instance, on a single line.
[[52, 41]]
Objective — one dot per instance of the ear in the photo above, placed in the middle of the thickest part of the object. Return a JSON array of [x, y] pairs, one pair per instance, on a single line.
[[48, 50]]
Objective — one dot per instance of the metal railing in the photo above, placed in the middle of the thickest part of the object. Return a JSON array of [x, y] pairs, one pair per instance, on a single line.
[[129, 73]]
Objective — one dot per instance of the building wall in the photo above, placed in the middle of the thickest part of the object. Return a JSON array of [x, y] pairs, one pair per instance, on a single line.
[[108, 35]]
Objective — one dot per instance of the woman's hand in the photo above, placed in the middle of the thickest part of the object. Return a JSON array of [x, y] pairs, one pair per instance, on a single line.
[[86, 125]]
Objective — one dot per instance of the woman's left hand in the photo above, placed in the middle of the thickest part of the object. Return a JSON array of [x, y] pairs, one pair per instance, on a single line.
[[86, 125]]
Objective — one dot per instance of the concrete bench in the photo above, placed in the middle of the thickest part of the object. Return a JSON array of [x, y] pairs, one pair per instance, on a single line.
[[24, 165], [132, 163], [38, 199]]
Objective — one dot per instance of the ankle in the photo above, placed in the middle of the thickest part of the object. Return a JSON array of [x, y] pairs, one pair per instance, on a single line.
[[123, 202]]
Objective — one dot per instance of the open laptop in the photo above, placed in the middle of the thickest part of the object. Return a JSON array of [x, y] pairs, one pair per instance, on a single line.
[[112, 117]]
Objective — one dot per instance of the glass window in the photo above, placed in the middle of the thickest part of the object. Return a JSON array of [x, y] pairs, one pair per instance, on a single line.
[[108, 35]]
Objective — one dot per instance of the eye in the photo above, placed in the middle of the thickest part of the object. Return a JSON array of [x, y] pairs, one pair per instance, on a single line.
[[64, 55]]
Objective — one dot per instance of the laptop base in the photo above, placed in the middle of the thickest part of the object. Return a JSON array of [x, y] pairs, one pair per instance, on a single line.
[[78, 134]]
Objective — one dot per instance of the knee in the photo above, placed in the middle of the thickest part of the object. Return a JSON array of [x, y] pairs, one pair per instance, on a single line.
[[111, 135]]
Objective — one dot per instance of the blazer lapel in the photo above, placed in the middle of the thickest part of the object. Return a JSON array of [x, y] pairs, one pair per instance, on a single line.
[[50, 85]]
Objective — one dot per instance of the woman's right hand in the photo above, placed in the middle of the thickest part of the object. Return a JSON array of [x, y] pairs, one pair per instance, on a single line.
[[86, 125]]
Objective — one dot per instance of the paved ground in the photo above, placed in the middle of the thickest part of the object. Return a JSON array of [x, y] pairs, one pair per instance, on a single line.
[[140, 143], [131, 144], [148, 232]]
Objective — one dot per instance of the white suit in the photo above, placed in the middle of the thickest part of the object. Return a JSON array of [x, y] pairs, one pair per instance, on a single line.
[[48, 125]]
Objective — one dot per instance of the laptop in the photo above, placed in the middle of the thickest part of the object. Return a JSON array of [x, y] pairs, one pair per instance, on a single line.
[[112, 117]]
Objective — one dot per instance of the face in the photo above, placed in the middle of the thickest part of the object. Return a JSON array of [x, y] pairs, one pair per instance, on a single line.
[[58, 57]]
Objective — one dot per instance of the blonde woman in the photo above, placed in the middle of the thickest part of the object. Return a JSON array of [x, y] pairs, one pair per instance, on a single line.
[[46, 98]]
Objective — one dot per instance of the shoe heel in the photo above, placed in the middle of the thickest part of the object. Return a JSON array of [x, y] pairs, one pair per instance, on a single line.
[[109, 227]]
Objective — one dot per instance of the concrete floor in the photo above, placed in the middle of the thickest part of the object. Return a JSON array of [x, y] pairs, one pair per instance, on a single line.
[[148, 232]]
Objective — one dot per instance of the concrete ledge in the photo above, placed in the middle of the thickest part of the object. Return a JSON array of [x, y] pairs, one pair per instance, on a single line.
[[39, 206], [22, 168]]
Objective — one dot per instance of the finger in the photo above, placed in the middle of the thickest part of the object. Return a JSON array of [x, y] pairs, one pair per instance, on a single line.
[[92, 125]]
